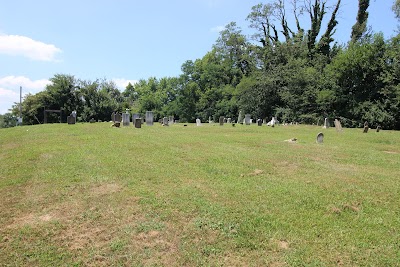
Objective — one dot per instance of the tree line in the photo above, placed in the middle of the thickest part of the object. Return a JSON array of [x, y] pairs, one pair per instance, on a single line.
[[292, 73]]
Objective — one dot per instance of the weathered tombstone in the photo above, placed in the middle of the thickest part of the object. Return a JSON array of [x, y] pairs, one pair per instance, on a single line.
[[171, 120], [165, 121], [320, 138], [117, 117], [209, 119], [135, 116], [126, 119], [259, 122], [366, 127], [198, 122], [229, 120], [247, 118], [149, 118], [71, 120], [338, 125], [378, 128], [221, 121], [138, 123], [240, 118], [326, 123]]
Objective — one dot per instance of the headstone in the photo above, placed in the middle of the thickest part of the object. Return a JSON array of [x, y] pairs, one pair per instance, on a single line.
[[198, 122], [138, 123], [326, 123], [378, 128], [126, 119], [165, 121], [259, 122], [272, 122], [135, 116], [366, 127], [320, 138], [240, 118], [209, 119], [247, 118], [338, 125], [149, 118], [92, 120], [71, 120], [171, 120], [221, 121], [73, 113], [229, 120]]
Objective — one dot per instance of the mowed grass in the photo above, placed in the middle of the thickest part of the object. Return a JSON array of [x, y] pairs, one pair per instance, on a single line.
[[92, 195]]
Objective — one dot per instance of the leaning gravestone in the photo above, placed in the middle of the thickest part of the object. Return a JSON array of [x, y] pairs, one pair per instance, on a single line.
[[338, 125], [320, 138], [126, 119], [247, 118], [149, 118], [198, 122], [326, 123], [138, 123], [221, 121], [165, 121]]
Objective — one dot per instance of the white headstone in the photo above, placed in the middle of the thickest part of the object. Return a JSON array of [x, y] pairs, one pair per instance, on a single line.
[[247, 119], [126, 117], [149, 118], [198, 122], [338, 125], [326, 123], [165, 121]]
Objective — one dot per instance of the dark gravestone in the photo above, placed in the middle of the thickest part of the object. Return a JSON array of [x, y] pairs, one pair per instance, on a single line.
[[378, 128], [259, 122], [365, 127], [117, 117], [320, 138], [138, 123], [71, 120]]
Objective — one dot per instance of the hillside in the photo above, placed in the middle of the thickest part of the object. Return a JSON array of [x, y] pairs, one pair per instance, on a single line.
[[92, 195]]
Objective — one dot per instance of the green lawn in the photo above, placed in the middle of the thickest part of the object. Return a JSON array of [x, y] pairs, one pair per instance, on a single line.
[[92, 195]]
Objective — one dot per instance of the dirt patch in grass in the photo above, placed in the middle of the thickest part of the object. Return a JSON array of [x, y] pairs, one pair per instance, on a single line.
[[105, 189], [391, 152]]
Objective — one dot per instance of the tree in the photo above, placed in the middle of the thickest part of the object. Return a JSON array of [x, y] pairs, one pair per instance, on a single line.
[[396, 8], [360, 26]]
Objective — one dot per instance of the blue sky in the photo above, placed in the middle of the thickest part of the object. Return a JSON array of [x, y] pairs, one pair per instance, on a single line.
[[126, 40]]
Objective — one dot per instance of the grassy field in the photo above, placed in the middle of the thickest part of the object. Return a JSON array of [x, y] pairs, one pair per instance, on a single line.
[[92, 195]]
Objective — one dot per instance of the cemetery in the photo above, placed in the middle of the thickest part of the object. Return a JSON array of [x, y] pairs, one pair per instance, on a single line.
[[204, 194]]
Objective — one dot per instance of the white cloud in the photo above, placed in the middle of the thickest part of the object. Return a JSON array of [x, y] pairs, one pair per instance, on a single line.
[[17, 45], [9, 89], [218, 28], [122, 83]]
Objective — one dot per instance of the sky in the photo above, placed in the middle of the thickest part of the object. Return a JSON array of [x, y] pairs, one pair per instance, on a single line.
[[127, 40]]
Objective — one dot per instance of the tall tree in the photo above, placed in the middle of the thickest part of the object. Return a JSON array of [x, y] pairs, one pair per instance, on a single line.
[[360, 26]]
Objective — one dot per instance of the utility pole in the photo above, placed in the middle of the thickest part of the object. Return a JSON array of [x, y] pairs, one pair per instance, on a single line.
[[20, 106]]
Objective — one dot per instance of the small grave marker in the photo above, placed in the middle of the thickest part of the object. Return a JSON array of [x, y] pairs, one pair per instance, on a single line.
[[247, 119], [221, 121], [138, 123], [338, 125], [320, 138], [365, 127]]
